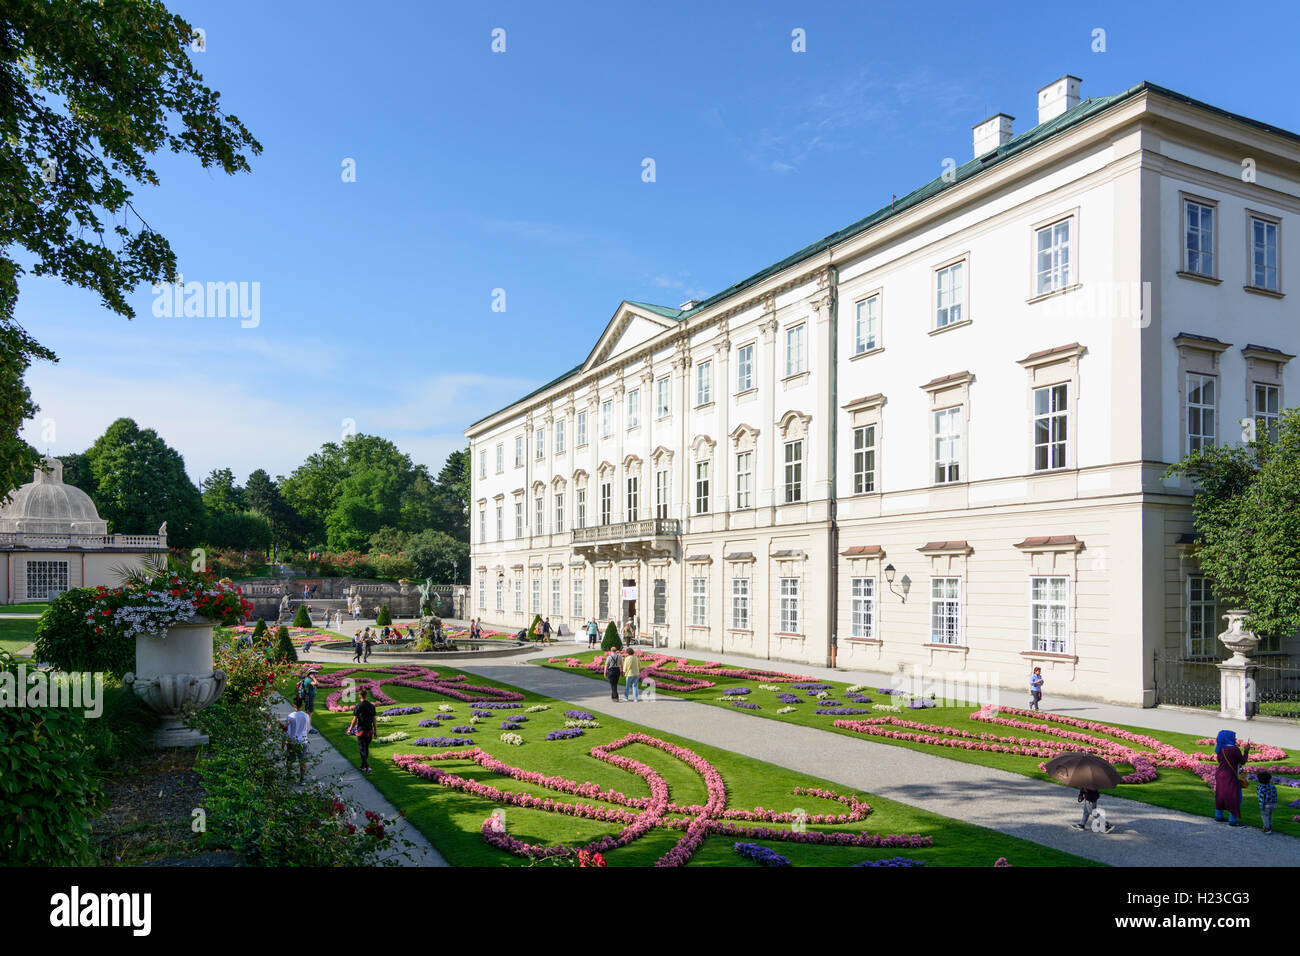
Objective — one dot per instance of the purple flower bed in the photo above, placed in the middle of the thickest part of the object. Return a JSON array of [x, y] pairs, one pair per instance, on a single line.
[[885, 690], [511, 725], [463, 729], [495, 705], [920, 703], [736, 691], [517, 718], [402, 711], [428, 722], [892, 861], [812, 686], [579, 715], [857, 698], [829, 703], [745, 705], [761, 854], [569, 732], [842, 711], [481, 713], [443, 741], [789, 698]]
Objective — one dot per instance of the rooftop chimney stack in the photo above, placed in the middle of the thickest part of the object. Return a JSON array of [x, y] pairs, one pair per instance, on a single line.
[[992, 133], [1057, 97]]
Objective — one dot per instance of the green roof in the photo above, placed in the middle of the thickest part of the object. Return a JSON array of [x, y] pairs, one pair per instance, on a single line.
[[1077, 114]]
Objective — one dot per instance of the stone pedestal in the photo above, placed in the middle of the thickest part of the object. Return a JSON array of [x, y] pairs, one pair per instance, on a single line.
[[1235, 683], [174, 677]]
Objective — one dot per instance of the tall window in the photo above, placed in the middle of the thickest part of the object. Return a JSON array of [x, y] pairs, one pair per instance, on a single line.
[[633, 497], [539, 515], [501, 590], [663, 399], [790, 605], [606, 501], [559, 513], [745, 479], [1263, 254], [863, 608], [482, 524], [580, 507], [1052, 268], [539, 442], [793, 471], [1050, 427], [482, 463], [701, 487], [603, 598], [866, 326], [945, 610], [950, 295], [794, 350], [700, 602], [581, 429], [947, 445], [501, 458], [519, 518], [1198, 233], [482, 590], [559, 437], [740, 604], [704, 383], [864, 459], [1202, 617], [519, 591], [577, 597], [46, 577], [1049, 614], [500, 522], [536, 582], [661, 493], [519, 451], [1201, 408], [606, 419], [661, 600], [634, 408], [744, 368], [557, 599], [1268, 399]]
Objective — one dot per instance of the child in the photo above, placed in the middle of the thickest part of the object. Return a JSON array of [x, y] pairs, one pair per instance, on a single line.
[[1035, 688], [1089, 799], [1267, 794]]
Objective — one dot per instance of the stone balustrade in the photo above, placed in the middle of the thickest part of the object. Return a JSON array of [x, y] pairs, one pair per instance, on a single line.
[[83, 542]]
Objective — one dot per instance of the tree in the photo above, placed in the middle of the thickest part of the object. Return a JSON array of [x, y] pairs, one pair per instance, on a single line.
[[301, 618], [1246, 509], [240, 530], [388, 540], [611, 641], [259, 631], [221, 496], [88, 92], [384, 617], [284, 649], [452, 496], [263, 497], [438, 555]]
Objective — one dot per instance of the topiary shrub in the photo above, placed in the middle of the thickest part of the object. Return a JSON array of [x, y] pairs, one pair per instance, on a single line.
[[68, 643], [535, 629], [384, 618], [302, 618], [284, 649], [259, 631], [612, 641]]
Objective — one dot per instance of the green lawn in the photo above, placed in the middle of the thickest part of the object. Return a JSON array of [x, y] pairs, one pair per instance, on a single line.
[[451, 819], [16, 633], [34, 608], [1173, 788]]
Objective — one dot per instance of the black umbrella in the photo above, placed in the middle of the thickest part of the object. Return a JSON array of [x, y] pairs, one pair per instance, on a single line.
[[1083, 770]]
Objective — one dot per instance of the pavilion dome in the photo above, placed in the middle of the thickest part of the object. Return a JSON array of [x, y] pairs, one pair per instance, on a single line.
[[45, 505]]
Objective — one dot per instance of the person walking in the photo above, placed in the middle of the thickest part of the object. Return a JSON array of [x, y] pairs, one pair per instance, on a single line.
[[363, 725], [1035, 688], [307, 694], [1227, 779], [1090, 799], [629, 633], [632, 676], [1267, 795], [369, 643], [546, 630], [613, 672], [295, 730], [592, 628], [356, 647]]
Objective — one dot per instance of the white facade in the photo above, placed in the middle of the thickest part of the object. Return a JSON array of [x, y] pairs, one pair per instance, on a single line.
[[975, 393]]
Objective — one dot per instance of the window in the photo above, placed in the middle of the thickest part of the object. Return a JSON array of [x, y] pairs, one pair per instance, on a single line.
[[793, 471], [1198, 231], [539, 515], [1263, 254], [1268, 400], [950, 295], [634, 408], [740, 604], [582, 429], [501, 458], [633, 497], [519, 451], [790, 605], [482, 524], [866, 326], [700, 602], [1202, 618], [580, 507], [577, 597], [862, 608], [701, 487], [744, 368], [482, 463], [536, 582], [1049, 620], [559, 513], [606, 419], [704, 383], [559, 437], [661, 601], [745, 479], [947, 445], [540, 444], [1050, 431], [482, 590], [864, 459], [46, 577], [661, 493], [557, 600], [663, 401], [604, 599], [945, 610], [794, 350], [501, 587], [519, 591], [1052, 264], [1201, 406], [606, 501], [519, 519], [500, 521]]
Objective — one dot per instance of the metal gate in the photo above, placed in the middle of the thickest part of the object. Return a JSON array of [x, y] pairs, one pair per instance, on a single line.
[[1186, 682], [1276, 690]]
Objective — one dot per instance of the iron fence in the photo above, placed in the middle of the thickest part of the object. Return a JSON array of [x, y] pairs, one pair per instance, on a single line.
[[1276, 690], [1187, 682]]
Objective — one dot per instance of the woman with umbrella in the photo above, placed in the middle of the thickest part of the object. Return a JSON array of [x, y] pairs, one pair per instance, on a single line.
[[1227, 778], [1091, 775]]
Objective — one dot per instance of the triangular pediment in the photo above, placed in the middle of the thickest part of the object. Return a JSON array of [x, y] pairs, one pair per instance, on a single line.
[[633, 324]]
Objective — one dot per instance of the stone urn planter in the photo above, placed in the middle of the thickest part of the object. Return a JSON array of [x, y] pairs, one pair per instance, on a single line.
[[1236, 698], [174, 677], [1236, 638]]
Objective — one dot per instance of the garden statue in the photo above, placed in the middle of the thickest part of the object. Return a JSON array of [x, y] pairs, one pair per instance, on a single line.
[[426, 596], [284, 608]]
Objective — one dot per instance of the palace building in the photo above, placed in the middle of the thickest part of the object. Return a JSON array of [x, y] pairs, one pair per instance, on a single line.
[[936, 439]]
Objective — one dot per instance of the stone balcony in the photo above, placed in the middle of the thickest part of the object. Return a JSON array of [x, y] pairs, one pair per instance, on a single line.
[[628, 538], [29, 541]]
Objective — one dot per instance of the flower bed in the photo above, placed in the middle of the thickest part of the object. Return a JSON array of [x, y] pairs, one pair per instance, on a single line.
[[442, 741], [407, 675], [567, 734], [677, 673], [760, 854], [513, 740], [892, 861], [579, 715], [403, 711]]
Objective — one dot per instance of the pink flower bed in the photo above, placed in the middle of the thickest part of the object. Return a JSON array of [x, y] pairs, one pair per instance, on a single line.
[[676, 673], [407, 675]]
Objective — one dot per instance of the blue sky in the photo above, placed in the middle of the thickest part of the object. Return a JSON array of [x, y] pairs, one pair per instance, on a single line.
[[522, 171]]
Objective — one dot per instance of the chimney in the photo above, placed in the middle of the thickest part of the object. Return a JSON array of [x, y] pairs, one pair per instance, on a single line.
[[992, 133], [1057, 97], [688, 305]]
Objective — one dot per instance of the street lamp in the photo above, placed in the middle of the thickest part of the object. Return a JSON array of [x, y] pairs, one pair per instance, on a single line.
[[889, 579]]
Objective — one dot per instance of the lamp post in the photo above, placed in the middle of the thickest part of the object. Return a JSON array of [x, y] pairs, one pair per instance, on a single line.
[[889, 579]]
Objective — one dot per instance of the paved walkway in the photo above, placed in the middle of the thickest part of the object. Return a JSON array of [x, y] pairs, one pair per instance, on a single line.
[[361, 793]]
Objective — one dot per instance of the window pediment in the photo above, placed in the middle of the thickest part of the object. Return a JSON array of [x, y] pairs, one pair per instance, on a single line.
[[744, 437], [794, 425]]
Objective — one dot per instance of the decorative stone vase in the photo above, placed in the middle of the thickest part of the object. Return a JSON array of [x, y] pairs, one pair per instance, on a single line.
[[1236, 638], [1236, 688], [174, 677]]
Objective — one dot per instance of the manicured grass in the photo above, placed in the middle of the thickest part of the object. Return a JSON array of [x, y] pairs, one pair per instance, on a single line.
[[452, 820], [1173, 788], [33, 608], [16, 633]]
